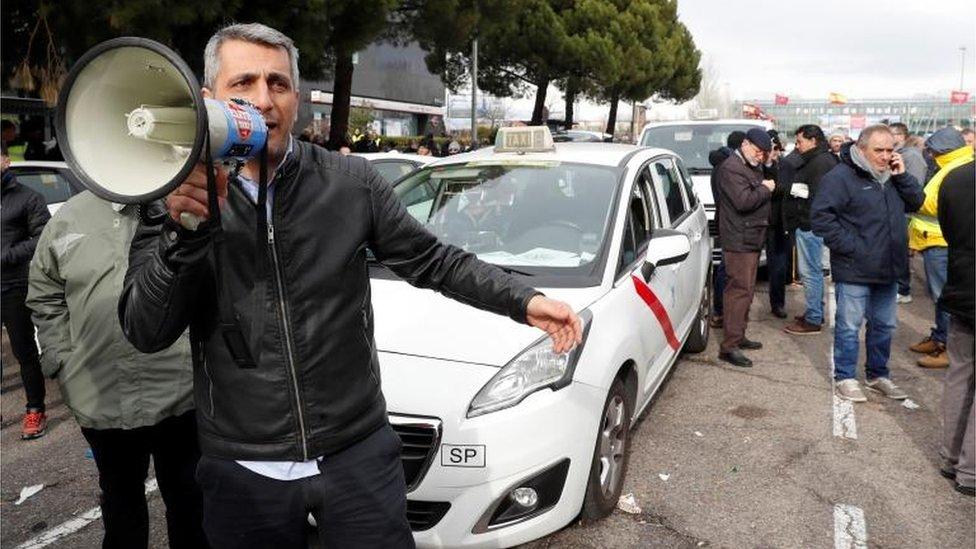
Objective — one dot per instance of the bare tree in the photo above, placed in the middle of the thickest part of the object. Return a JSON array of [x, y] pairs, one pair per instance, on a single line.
[[493, 110], [710, 95]]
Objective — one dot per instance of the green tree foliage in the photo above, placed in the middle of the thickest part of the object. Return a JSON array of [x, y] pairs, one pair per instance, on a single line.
[[660, 56], [520, 44], [326, 32]]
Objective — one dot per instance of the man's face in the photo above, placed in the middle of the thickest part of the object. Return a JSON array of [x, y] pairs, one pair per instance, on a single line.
[[803, 144], [751, 152], [969, 137], [836, 142], [879, 149], [260, 75], [899, 136]]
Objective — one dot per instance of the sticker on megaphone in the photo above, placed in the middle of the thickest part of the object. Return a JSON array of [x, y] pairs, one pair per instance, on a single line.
[[237, 129]]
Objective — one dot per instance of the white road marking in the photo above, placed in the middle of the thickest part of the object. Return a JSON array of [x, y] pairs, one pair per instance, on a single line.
[[831, 304], [71, 526], [849, 529], [844, 424]]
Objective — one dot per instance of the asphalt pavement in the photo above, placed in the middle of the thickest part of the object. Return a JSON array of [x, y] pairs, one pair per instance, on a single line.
[[724, 457]]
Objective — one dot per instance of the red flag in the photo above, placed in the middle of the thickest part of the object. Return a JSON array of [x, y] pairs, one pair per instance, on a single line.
[[782, 99], [959, 97]]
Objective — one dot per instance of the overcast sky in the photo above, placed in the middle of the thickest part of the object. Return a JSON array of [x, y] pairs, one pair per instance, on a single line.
[[862, 48]]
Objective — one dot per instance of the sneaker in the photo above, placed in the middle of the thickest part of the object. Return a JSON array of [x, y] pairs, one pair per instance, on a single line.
[[927, 346], [750, 345], [886, 387], [902, 299], [35, 425], [802, 327], [849, 389], [939, 359]]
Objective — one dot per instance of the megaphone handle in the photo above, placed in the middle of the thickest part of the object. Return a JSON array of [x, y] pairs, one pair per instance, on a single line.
[[190, 221]]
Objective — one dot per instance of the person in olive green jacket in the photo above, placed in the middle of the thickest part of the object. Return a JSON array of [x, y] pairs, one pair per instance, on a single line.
[[129, 405]]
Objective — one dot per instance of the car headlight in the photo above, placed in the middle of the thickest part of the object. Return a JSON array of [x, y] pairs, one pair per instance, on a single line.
[[533, 369]]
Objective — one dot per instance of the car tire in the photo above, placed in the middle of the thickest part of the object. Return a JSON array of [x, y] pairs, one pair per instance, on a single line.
[[700, 329], [609, 466]]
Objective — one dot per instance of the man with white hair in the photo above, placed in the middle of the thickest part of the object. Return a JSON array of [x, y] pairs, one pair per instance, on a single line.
[[859, 211]]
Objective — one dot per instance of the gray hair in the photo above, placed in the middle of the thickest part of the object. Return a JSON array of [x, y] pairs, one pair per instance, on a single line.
[[255, 33], [866, 133]]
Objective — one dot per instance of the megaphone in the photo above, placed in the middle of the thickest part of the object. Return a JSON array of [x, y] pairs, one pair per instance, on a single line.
[[132, 121]]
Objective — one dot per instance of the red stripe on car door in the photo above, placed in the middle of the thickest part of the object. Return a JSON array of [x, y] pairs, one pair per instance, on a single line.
[[647, 294]]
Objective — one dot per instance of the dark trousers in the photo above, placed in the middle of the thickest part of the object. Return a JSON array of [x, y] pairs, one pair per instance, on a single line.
[[777, 264], [15, 316], [718, 286], [358, 500], [122, 458], [740, 283]]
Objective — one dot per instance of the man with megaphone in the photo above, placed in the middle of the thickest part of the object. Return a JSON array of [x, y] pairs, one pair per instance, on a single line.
[[290, 412]]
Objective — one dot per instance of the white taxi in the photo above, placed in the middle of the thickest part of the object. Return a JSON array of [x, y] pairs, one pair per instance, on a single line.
[[504, 441]]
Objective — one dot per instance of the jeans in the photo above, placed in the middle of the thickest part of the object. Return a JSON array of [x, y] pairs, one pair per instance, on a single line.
[[777, 263], [122, 458], [809, 248], [15, 315], [358, 501], [855, 304], [718, 287], [936, 261]]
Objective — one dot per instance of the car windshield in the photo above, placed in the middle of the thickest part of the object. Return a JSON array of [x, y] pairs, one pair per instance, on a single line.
[[692, 142], [539, 218], [391, 170], [53, 186]]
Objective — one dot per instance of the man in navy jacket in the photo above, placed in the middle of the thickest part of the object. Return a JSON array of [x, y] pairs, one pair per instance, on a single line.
[[859, 211]]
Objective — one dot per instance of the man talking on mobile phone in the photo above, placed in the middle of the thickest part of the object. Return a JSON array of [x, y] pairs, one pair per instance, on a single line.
[[292, 420], [859, 211]]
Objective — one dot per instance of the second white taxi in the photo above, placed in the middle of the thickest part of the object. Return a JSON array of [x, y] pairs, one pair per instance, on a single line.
[[505, 441]]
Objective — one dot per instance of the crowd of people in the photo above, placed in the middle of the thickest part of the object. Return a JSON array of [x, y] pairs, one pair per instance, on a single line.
[[369, 141], [157, 349], [872, 203]]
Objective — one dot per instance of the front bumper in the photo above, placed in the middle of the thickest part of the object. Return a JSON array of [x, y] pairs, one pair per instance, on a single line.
[[514, 444]]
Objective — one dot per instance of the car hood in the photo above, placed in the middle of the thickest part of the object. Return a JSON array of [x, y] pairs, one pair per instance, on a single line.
[[424, 323]]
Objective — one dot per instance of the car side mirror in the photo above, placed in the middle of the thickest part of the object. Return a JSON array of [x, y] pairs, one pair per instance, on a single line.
[[667, 247]]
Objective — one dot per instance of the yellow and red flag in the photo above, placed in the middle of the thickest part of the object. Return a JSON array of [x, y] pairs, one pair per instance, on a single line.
[[837, 98]]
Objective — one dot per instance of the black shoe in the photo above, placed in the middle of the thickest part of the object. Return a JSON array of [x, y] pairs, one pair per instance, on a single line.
[[778, 312], [951, 475], [966, 490], [736, 358], [749, 345]]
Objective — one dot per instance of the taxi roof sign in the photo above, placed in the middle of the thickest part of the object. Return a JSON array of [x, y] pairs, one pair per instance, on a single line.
[[523, 139]]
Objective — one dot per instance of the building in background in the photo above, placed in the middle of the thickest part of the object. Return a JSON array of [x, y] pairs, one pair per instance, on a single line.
[[921, 115], [393, 82]]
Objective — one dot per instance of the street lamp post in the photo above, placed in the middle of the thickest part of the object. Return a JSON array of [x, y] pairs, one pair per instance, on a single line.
[[962, 70], [474, 94]]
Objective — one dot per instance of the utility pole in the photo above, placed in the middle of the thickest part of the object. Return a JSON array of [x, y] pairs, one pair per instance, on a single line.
[[962, 71], [474, 94]]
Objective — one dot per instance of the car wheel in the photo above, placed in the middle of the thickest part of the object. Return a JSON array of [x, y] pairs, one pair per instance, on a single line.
[[698, 338], [609, 466]]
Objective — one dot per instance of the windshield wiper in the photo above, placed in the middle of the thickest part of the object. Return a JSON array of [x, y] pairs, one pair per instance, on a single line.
[[510, 270], [699, 171]]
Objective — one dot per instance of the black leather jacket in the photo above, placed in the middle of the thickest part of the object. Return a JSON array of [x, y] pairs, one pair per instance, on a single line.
[[309, 321], [23, 216]]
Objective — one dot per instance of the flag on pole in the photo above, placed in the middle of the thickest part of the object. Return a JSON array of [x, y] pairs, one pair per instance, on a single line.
[[782, 99], [837, 98], [959, 97]]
